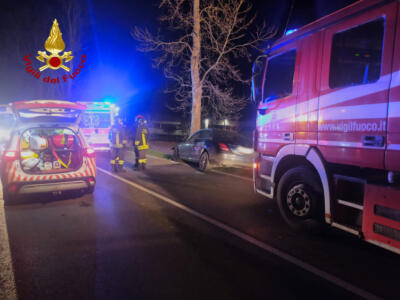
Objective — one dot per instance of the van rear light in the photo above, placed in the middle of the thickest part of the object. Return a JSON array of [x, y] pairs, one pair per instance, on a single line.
[[223, 147], [12, 188], [89, 152], [10, 155]]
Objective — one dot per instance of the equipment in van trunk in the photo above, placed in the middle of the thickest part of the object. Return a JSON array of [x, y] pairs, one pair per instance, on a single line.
[[45, 150], [328, 123]]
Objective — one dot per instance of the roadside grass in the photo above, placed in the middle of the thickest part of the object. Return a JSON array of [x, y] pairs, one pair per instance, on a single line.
[[245, 172], [159, 154]]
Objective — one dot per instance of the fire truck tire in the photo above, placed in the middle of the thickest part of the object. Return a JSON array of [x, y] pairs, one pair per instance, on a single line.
[[204, 161], [300, 199]]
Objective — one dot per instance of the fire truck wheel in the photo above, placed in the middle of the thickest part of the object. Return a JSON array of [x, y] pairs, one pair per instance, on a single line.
[[203, 162], [300, 199]]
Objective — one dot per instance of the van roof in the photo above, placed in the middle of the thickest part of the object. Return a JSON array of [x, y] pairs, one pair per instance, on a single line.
[[346, 12]]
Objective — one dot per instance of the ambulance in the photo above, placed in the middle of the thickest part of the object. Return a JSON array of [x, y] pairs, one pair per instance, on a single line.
[[96, 123], [47, 152], [328, 123]]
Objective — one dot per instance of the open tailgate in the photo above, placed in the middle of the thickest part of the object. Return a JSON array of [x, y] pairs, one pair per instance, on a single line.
[[48, 111]]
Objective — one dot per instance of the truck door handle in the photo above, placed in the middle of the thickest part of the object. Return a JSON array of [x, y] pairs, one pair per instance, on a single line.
[[373, 140], [288, 136]]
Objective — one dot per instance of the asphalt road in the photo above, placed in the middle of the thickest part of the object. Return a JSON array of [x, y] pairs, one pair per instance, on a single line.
[[129, 242]]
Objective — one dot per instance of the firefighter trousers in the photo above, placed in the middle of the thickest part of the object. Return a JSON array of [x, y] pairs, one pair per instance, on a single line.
[[117, 158], [140, 158]]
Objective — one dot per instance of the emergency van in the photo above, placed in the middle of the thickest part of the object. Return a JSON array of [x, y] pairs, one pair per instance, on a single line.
[[328, 123], [47, 152], [96, 123]]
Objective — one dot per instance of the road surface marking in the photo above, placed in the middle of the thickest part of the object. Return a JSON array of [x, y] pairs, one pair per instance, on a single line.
[[232, 175], [7, 282], [291, 259]]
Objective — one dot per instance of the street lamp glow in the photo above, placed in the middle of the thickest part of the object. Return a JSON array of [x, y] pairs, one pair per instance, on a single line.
[[206, 122]]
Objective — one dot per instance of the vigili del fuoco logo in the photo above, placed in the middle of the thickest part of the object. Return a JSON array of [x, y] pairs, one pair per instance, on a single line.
[[54, 45]]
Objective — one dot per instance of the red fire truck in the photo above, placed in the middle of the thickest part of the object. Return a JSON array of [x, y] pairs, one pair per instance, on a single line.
[[328, 123]]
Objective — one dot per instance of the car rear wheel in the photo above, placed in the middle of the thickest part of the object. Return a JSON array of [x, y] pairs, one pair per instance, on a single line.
[[300, 199], [203, 162]]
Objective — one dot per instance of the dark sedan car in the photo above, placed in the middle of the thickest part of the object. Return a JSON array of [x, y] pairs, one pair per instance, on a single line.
[[216, 146]]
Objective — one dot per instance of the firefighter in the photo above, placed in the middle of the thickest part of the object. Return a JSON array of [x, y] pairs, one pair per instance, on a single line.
[[118, 143], [140, 141]]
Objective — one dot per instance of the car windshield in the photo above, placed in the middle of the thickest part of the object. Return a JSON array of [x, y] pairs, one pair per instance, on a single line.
[[232, 138]]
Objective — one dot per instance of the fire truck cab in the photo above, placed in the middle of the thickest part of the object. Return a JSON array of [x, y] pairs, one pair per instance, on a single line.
[[328, 123]]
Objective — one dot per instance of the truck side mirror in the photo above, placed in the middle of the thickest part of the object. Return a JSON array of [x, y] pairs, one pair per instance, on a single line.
[[257, 79]]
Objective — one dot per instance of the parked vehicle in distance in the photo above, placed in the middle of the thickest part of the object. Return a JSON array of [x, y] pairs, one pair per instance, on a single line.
[[47, 151], [216, 146], [166, 130], [328, 134], [7, 123]]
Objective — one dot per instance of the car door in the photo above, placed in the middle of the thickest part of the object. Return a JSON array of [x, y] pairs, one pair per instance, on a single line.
[[200, 143]]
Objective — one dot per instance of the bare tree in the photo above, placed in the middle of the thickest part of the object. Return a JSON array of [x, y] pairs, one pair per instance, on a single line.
[[211, 38]]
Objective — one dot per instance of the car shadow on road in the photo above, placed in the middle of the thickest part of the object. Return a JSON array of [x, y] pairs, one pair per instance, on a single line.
[[50, 198]]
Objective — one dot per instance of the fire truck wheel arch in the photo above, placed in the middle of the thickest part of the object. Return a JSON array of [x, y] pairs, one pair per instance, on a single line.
[[306, 155]]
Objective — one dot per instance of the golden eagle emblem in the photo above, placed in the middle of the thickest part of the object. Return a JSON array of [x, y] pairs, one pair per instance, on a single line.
[[54, 44]]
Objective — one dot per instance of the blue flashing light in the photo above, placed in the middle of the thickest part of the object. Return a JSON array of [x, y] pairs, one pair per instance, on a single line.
[[290, 31]]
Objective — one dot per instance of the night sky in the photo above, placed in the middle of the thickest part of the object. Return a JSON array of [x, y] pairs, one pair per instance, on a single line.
[[114, 69]]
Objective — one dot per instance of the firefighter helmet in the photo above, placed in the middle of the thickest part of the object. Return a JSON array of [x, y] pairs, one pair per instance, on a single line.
[[140, 119]]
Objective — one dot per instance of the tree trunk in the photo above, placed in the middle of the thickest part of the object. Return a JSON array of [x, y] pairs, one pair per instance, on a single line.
[[197, 88]]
